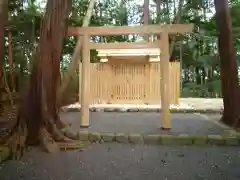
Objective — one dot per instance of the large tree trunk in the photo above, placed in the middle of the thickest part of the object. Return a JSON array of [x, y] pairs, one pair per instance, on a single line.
[[228, 67], [37, 120]]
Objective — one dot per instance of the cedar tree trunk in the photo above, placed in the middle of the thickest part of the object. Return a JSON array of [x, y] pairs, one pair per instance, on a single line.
[[37, 120], [228, 68]]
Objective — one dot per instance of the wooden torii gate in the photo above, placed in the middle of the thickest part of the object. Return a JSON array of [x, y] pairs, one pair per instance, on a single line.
[[163, 44]]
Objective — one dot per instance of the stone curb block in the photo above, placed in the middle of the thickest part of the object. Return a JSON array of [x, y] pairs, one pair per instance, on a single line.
[[200, 140], [215, 140], [121, 110], [72, 134], [232, 141], [94, 137], [164, 139], [237, 134], [122, 138], [133, 110], [93, 109], [141, 110], [83, 136], [111, 109], [135, 139], [4, 153], [183, 139], [72, 109], [148, 110], [108, 137], [152, 139]]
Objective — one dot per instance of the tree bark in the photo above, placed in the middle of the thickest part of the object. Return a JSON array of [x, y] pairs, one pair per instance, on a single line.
[[198, 75], [228, 65], [3, 21], [76, 54], [10, 61], [37, 120], [158, 3], [146, 17]]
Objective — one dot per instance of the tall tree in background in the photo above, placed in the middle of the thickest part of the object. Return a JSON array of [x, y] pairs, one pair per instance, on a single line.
[[38, 120], [176, 20], [228, 67], [3, 21], [75, 57], [10, 61], [146, 17]]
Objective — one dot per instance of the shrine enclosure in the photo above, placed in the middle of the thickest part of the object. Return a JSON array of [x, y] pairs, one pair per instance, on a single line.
[[129, 72]]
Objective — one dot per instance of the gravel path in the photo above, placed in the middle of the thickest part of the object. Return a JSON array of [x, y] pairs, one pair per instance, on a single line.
[[128, 162], [146, 123]]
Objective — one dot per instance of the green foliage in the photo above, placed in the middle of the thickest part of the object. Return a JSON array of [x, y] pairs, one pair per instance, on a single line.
[[198, 52]]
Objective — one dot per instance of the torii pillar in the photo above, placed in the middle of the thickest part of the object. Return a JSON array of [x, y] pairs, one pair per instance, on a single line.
[[85, 83], [164, 84]]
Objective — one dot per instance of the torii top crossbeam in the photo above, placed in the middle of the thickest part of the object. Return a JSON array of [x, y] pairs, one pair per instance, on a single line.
[[124, 30]]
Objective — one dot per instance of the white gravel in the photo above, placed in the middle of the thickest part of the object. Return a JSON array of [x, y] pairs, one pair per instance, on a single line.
[[184, 103]]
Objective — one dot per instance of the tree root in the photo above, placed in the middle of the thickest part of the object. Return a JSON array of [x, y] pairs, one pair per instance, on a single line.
[[17, 142], [49, 136], [47, 141], [48, 133], [59, 135], [56, 133], [60, 124]]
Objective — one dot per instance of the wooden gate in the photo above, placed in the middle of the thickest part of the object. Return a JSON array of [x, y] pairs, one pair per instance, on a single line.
[[129, 85]]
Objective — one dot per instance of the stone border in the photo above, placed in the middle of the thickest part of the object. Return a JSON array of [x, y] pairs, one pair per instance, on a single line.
[[124, 110], [85, 137], [181, 139], [4, 153]]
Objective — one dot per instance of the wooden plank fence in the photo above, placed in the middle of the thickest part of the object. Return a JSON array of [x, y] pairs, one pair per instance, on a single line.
[[131, 83]]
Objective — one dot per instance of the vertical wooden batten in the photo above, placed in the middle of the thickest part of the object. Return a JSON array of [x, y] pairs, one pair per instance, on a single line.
[[80, 81]]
